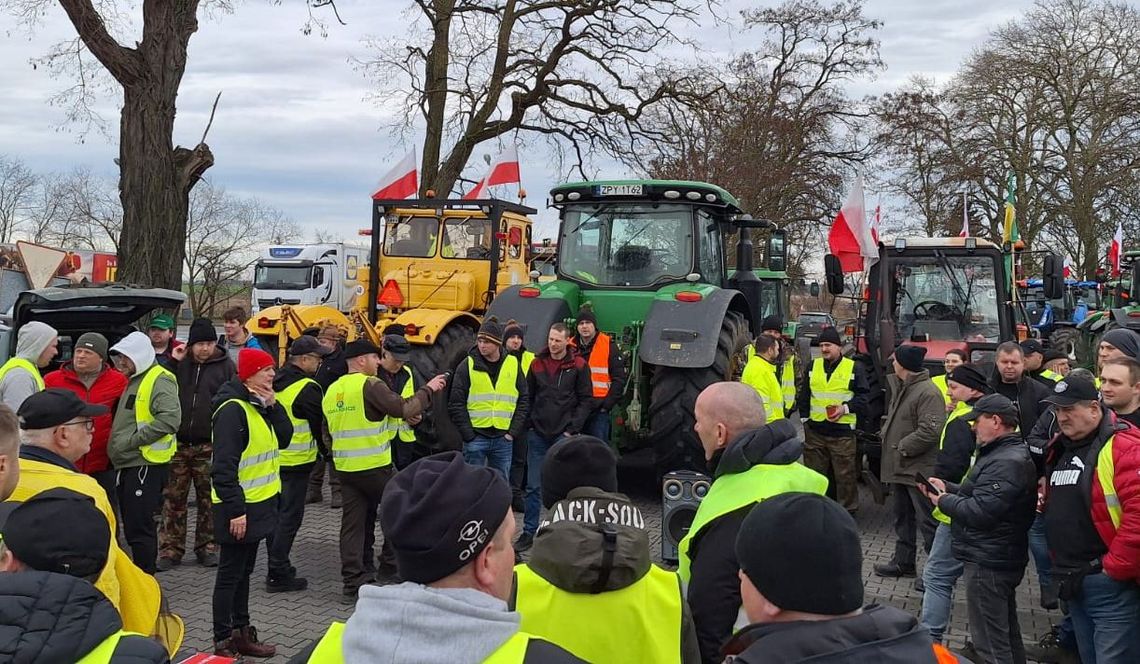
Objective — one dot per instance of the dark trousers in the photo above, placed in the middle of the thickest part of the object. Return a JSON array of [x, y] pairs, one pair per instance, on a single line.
[[913, 511], [317, 477], [518, 469], [140, 501], [991, 604], [231, 588], [290, 513], [360, 495]]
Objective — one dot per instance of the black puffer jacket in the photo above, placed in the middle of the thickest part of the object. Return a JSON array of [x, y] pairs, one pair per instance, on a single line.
[[197, 385], [50, 618], [992, 510], [878, 635], [956, 449], [1028, 395]]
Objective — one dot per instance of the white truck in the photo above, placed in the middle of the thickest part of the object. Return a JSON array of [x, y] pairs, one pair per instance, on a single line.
[[308, 274]]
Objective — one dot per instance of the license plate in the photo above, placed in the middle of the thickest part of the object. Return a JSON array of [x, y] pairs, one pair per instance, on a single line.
[[619, 190]]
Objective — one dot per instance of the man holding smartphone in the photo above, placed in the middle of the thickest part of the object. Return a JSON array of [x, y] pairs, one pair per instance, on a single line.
[[990, 512]]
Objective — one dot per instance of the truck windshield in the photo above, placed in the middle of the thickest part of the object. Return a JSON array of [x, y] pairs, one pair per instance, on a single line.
[[626, 244], [949, 298], [282, 277]]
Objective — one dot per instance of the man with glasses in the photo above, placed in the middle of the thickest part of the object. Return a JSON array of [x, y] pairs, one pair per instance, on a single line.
[[301, 396]]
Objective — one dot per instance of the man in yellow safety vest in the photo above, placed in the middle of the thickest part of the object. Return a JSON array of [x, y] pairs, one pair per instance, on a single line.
[[300, 396], [36, 344], [786, 370], [363, 416], [760, 373], [513, 336], [955, 357], [590, 585], [830, 401], [142, 443], [451, 527], [1034, 353], [751, 461]]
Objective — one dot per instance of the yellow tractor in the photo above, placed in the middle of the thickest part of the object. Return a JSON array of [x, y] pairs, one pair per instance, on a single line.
[[441, 263]]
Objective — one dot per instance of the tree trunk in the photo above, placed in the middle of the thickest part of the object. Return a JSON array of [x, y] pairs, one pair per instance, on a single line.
[[435, 92]]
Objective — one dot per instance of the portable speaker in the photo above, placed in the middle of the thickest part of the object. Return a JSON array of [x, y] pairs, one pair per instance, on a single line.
[[681, 492]]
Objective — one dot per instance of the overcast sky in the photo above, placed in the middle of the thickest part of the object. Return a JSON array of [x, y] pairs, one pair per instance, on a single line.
[[294, 128]]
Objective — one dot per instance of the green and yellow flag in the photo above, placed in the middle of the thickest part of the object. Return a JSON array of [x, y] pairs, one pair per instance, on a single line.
[[1009, 229]]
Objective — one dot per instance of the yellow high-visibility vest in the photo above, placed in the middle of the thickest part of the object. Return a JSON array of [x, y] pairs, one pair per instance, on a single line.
[[760, 374], [831, 391], [960, 409], [358, 443], [493, 406], [940, 383], [404, 430], [330, 649], [1105, 474], [527, 359], [26, 365], [303, 446], [161, 450], [259, 469], [638, 623], [788, 383]]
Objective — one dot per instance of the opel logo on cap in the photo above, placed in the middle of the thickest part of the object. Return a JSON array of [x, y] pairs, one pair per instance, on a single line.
[[1060, 387], [470, 531]]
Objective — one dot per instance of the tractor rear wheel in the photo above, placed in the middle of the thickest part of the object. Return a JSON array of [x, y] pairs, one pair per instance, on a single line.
[[673, 395], [450, 347], [1068, 341]]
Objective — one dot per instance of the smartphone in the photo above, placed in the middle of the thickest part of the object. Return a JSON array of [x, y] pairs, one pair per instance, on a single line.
[[922, 481]]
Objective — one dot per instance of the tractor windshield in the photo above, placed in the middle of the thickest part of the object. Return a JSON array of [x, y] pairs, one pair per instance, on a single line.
[[947, 298], [626, 244]]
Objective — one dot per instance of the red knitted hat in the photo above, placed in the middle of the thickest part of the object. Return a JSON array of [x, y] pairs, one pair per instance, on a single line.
[[252, 360]]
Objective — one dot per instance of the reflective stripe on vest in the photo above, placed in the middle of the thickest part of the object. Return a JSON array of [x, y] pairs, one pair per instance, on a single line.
[[1105, 474], [940, 383], [26, 365], [599, 362], [760, 374], [493, 406], [103, 652], [831, 391], [259, 472], [527, 358], [960, 409], [358, 443], [161, 450], [330, 649], [1050, 375], [731, 492], [303, 446], [638, 623], [788, 382], [404, 430]]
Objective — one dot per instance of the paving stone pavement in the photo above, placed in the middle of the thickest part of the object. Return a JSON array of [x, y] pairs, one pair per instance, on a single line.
[[292, 620]]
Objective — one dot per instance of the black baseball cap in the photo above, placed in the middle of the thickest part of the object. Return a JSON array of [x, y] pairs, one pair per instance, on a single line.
[[359, 347], [398, 347], [1073, 390], [306, 345], [54, 406], [58, 530], [992, 404], [1030, 346]]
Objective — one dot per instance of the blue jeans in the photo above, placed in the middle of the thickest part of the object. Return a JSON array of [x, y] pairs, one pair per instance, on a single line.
[[941, 572], [492, 452], [1106, 617], [532, 503], [598, 426], [1039, 548]]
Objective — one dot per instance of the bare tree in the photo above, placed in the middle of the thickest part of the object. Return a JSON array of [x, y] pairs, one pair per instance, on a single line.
[[582, 73], [17, 189]]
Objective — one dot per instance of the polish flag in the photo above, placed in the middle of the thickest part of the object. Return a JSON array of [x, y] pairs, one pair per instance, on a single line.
[[1067, 268], [504, 170], [1114, 250], [850, 237], [965, 218], [875, 223], [401, 181]]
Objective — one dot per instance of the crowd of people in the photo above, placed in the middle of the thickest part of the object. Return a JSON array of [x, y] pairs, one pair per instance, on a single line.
[[986, 467]]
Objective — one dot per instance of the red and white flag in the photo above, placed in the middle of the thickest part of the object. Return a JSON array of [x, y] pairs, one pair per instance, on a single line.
[[1114, 250], [504, 169], [1067, 270], [875, 223], [400, 182], [850, 237], [965, 218]]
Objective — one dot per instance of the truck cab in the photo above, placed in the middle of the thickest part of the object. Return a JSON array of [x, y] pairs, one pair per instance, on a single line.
[[309, 274]]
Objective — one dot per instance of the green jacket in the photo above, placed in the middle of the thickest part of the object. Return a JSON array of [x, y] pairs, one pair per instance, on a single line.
[[127, 437]]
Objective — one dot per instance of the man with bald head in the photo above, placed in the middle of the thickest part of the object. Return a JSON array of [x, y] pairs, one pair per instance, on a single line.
[[750, 461]]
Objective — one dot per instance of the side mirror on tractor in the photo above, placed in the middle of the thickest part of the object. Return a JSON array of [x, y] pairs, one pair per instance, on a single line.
[[834, 272], [1052, 277], [1134, 286], [814, 289]]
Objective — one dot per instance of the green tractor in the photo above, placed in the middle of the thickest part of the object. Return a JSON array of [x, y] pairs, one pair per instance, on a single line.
[[649, 257], [1121, 308]]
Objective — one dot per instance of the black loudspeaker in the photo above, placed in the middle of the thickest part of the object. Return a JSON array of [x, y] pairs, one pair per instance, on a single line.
[[681, 493]]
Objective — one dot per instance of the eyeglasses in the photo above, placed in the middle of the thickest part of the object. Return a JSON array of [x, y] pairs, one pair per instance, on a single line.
[[89, 424]]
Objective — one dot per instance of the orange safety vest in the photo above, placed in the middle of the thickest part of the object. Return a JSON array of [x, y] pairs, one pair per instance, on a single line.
[[599, 362]]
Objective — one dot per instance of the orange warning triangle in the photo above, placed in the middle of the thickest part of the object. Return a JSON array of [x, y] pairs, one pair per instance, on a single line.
[[40, 262]]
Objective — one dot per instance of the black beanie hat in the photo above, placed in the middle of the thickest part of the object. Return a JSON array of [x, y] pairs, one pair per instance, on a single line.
[[57, 530], [910, 357], [440, 512], [802, 552], [586, 313], [772, 323], [201, 329], [491, 330], [514, 329], [830, 335], [577, 461], [969, 376]]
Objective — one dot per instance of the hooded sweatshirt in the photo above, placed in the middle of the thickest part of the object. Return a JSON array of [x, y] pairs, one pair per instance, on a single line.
[[569, 553], [126, 436], [18, 384]]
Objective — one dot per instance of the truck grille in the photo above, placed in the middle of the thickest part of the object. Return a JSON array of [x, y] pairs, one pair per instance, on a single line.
[[266, 303]]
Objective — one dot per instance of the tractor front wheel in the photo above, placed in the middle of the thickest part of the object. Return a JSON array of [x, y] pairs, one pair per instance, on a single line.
[[450, 347]]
